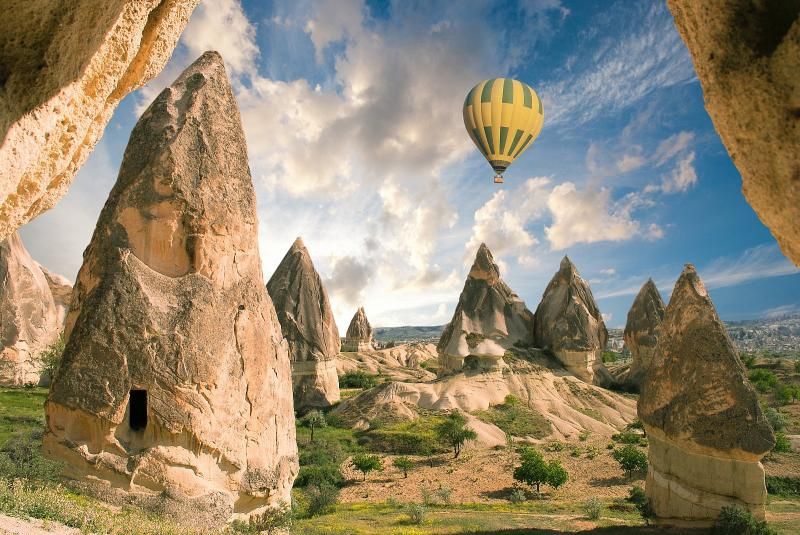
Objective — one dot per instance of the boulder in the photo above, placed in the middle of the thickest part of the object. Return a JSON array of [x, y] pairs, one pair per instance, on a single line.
[[747, 57], [29, 318], [489, 319], [641, 330], [307, 322], [64, 67], [175, 381], [705, 428], [569, 324], [359, 333]]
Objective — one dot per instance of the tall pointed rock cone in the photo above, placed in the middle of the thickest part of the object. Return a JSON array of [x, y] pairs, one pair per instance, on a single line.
[[359, 333], [641, 330], [175, 378], [568, 323], [489, 319], [29, 317], [308, 324], [706, 431]]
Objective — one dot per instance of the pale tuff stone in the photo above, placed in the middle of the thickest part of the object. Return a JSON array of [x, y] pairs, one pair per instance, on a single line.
[[175, 380], [489, 319], [64, 67], [306, 318], [568, 323], [747, 57], [641, 330], [359, 333], [706, 430], [29, 317]]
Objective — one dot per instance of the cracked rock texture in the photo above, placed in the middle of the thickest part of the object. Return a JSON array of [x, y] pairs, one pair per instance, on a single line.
[[64, 67], [641, 330], [176, 379], [489, 319], [747, 56], [306, 318], [705, 428], [359, 333], [568, 323], [30, 319]]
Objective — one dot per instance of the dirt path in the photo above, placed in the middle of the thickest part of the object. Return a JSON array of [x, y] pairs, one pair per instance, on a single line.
[[18, 526]]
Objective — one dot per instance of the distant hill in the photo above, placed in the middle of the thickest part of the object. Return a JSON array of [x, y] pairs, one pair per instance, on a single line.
[[408, 333]]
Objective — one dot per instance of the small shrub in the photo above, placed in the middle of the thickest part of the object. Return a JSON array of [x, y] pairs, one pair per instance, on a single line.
[[639, 499], [275, 520], [404, 464], [763, 380], [609, 356], [785, 487], [50, 358], [416, 513], [427, 497], [736, 519], [631, 459], [797, 366], [777, 420], [517, 496], [321, 499], [782, 443], [576, 451], [592, 452], [318, 474], [358, 379], [749, 360], [626, 437], [313, 420], [444, 494], [583, 436], [555, 446], [593, 508], [21, 458], [366, 463]]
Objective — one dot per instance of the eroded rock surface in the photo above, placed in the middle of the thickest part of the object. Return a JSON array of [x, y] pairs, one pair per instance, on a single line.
[[64, 67], [29, 318], [306, 318], [568, 323], [641, 330], [175, 380], [61, 289], [747, 57], [706, 431], [359, 333], [489, 319]]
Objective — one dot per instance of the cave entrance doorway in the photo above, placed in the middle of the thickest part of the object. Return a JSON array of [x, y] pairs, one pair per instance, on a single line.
[[137, 410]]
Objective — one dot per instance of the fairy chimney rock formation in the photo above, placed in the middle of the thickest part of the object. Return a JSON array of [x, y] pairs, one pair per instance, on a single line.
[[568, 323], [747, 57], [64, 67], [489, 319], [175, 379], [307, 322], [641, 330], [359, 333], [29, 318], [61, 289], [706, 431]]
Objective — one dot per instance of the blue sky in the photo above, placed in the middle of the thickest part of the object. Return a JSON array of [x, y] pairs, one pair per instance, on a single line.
[[352, 112]]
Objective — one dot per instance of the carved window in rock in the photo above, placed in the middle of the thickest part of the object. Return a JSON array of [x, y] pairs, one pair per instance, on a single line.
[[137, 410]]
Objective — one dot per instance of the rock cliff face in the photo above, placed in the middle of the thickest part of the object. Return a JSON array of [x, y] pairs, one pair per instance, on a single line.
[[307, 321], [641, 330], [568, 323], [175, 378], [489, 318], [706, 431], [61, 289], [64, 67], [29, 318], [359, 333], [747, 57]]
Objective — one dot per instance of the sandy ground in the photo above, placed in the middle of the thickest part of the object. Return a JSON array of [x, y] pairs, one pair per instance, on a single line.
[[16, 526]]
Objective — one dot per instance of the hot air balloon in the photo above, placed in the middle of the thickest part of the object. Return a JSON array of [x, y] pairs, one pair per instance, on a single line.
[[502, 116]]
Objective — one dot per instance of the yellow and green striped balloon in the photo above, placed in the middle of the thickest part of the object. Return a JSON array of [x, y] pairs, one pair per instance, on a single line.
[[502, 116]]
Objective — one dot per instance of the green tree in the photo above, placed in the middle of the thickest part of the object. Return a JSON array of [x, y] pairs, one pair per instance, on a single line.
[[313, 420], [404, 464], [366, 463], [777, 420], [638, 498], [50, 357], [630, 459], [454, 431], [782, 443], [534, 471]]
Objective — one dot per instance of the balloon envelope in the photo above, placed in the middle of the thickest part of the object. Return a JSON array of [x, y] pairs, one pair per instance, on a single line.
[[502, 116]]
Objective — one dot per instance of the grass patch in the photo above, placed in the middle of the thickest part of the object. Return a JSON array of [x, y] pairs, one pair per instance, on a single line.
[[21, 411], [517, 419], [412, 437], [785, 487]]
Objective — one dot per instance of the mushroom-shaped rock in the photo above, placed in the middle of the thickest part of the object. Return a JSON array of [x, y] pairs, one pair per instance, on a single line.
[[64, 67], [359, 333], [706, 431], [568, 323], [641, 330], [29, 317], [175, 379], [489, 319], [307, 322], [747, 57]]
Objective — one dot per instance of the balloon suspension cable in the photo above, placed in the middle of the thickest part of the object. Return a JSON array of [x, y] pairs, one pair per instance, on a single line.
[[498, 179]]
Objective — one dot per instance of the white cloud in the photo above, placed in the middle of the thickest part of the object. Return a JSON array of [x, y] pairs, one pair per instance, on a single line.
[[332, 21], [630, 162], [682, 177], [780, 311], [672, 146], [607, 316], [349, 277]]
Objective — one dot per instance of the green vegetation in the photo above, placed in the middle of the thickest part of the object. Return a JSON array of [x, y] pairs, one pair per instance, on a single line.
[[404, 464], [50, 358], [593, 508], [313, 420], [785, 487], [473, 339], [782, 443], [628, 437], [358, 379], [631, 459], [21, 411], [412, 437], [454, 431], [516, 418], [534, 471], [321, 460], [416, 513], [275, 520], [777, 420], [639, 499], [610, 356], [763, 380], [366, 463], [319, 499], [737, 519]]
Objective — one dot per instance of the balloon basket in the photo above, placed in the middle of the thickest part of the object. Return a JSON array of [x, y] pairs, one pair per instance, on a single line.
[[498, 179]]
